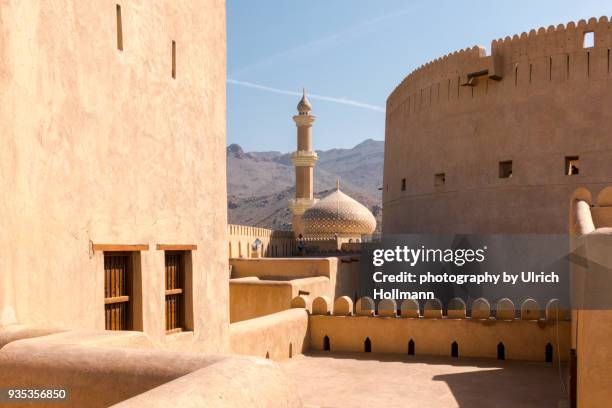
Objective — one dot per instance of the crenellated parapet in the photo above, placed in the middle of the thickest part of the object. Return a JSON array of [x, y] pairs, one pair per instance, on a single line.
[[273, 243], [546, 55], [528, 331], [480, 309]]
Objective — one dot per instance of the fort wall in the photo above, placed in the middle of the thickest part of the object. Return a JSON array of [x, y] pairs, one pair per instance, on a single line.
[[274, 243], [276, 336], [536, 102], [252, 297], [527, 335], [112, 141]]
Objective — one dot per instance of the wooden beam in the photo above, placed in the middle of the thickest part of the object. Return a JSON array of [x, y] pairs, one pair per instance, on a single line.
[[118, 299], [176, 247], [120, 248], [173, 291]]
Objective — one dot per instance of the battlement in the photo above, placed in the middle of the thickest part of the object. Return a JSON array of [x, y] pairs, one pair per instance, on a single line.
[[553, 54], [274, 243], [433, 309], [342, 327], [245, 230]]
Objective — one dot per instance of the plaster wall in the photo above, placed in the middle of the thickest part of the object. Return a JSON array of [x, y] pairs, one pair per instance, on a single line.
[[522, 339], [251, 297], [280, 335], [274, 243], [104, 146], [543, 97], [284, 267], [102, 368], [592, 323]]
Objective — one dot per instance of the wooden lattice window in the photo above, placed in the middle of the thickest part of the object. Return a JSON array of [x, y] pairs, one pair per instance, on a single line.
[[117, 290], [175, 285]]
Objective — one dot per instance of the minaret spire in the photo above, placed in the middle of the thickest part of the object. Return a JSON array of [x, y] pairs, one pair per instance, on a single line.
[[304, 160]]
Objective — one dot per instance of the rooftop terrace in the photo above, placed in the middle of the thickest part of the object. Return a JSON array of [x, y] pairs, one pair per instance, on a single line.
[[379, 380]]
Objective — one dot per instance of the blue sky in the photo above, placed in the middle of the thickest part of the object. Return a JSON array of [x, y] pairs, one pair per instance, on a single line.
[[353, 53]]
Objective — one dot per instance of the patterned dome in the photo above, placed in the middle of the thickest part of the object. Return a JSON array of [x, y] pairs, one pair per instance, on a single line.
[[339, 214]]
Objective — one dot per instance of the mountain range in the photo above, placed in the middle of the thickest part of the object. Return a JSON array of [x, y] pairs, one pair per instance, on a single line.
[[259, 184]]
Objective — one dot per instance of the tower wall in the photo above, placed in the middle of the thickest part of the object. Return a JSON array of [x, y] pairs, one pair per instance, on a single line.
[[108, 146], [539, 98]]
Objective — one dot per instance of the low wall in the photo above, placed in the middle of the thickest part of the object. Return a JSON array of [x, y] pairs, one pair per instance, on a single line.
[[342, 327], [94, 376], [99, 369], [522, 339], [297, 267], [342, 271], [278, 336], [252, 297], [236, 382]]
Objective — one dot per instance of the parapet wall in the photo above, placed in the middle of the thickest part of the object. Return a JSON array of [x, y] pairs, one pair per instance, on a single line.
[[550, 49], [274, 243], [363, 329], [276, 336]]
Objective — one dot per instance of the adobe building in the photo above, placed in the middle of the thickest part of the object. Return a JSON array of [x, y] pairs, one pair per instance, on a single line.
[[516, 142], [478, 143], [113, 244], [336, 219], [116, 283]]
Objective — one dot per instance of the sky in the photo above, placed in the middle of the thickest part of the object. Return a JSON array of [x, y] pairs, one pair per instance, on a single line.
[[350, 55]]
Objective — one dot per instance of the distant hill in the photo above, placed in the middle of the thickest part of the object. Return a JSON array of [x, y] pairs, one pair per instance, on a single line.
[[259, 184]]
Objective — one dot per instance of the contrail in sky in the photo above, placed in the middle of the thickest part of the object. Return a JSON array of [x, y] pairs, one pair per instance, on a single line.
[[343, 101]]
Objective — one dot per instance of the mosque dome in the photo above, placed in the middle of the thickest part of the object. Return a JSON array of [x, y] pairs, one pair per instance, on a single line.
[[304, 107], [339, 214]]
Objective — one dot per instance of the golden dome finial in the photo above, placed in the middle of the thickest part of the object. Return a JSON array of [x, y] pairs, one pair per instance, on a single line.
[[338, 183]]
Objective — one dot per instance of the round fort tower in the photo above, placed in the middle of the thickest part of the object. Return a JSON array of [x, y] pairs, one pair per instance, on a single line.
[[478, 143]]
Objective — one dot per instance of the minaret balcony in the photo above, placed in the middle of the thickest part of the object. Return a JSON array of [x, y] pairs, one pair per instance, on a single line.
[[299, 205], [304, 158], [304, 120]]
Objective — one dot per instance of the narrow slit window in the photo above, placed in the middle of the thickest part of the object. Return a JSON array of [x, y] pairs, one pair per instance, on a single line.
[[440, 179], [572, 165], [588, 40], [174, 59], [119, 29], [505, 169], [403, 184]]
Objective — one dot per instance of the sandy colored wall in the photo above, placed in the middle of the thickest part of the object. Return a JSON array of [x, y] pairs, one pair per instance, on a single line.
[[103, 146], [251, 297], [280, 335], [102, 368], [522, 339], [550, 103], [343, 271], [284, 267], [274, 243], [592, 326], [260, 384]]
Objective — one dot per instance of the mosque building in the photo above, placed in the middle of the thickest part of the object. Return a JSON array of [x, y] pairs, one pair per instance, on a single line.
[[335, 219]]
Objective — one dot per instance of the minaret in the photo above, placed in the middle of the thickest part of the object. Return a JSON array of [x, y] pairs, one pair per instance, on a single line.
[[304, 160]]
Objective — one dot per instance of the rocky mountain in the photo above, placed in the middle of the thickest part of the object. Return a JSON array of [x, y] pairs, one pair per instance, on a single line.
[[259, 184]]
